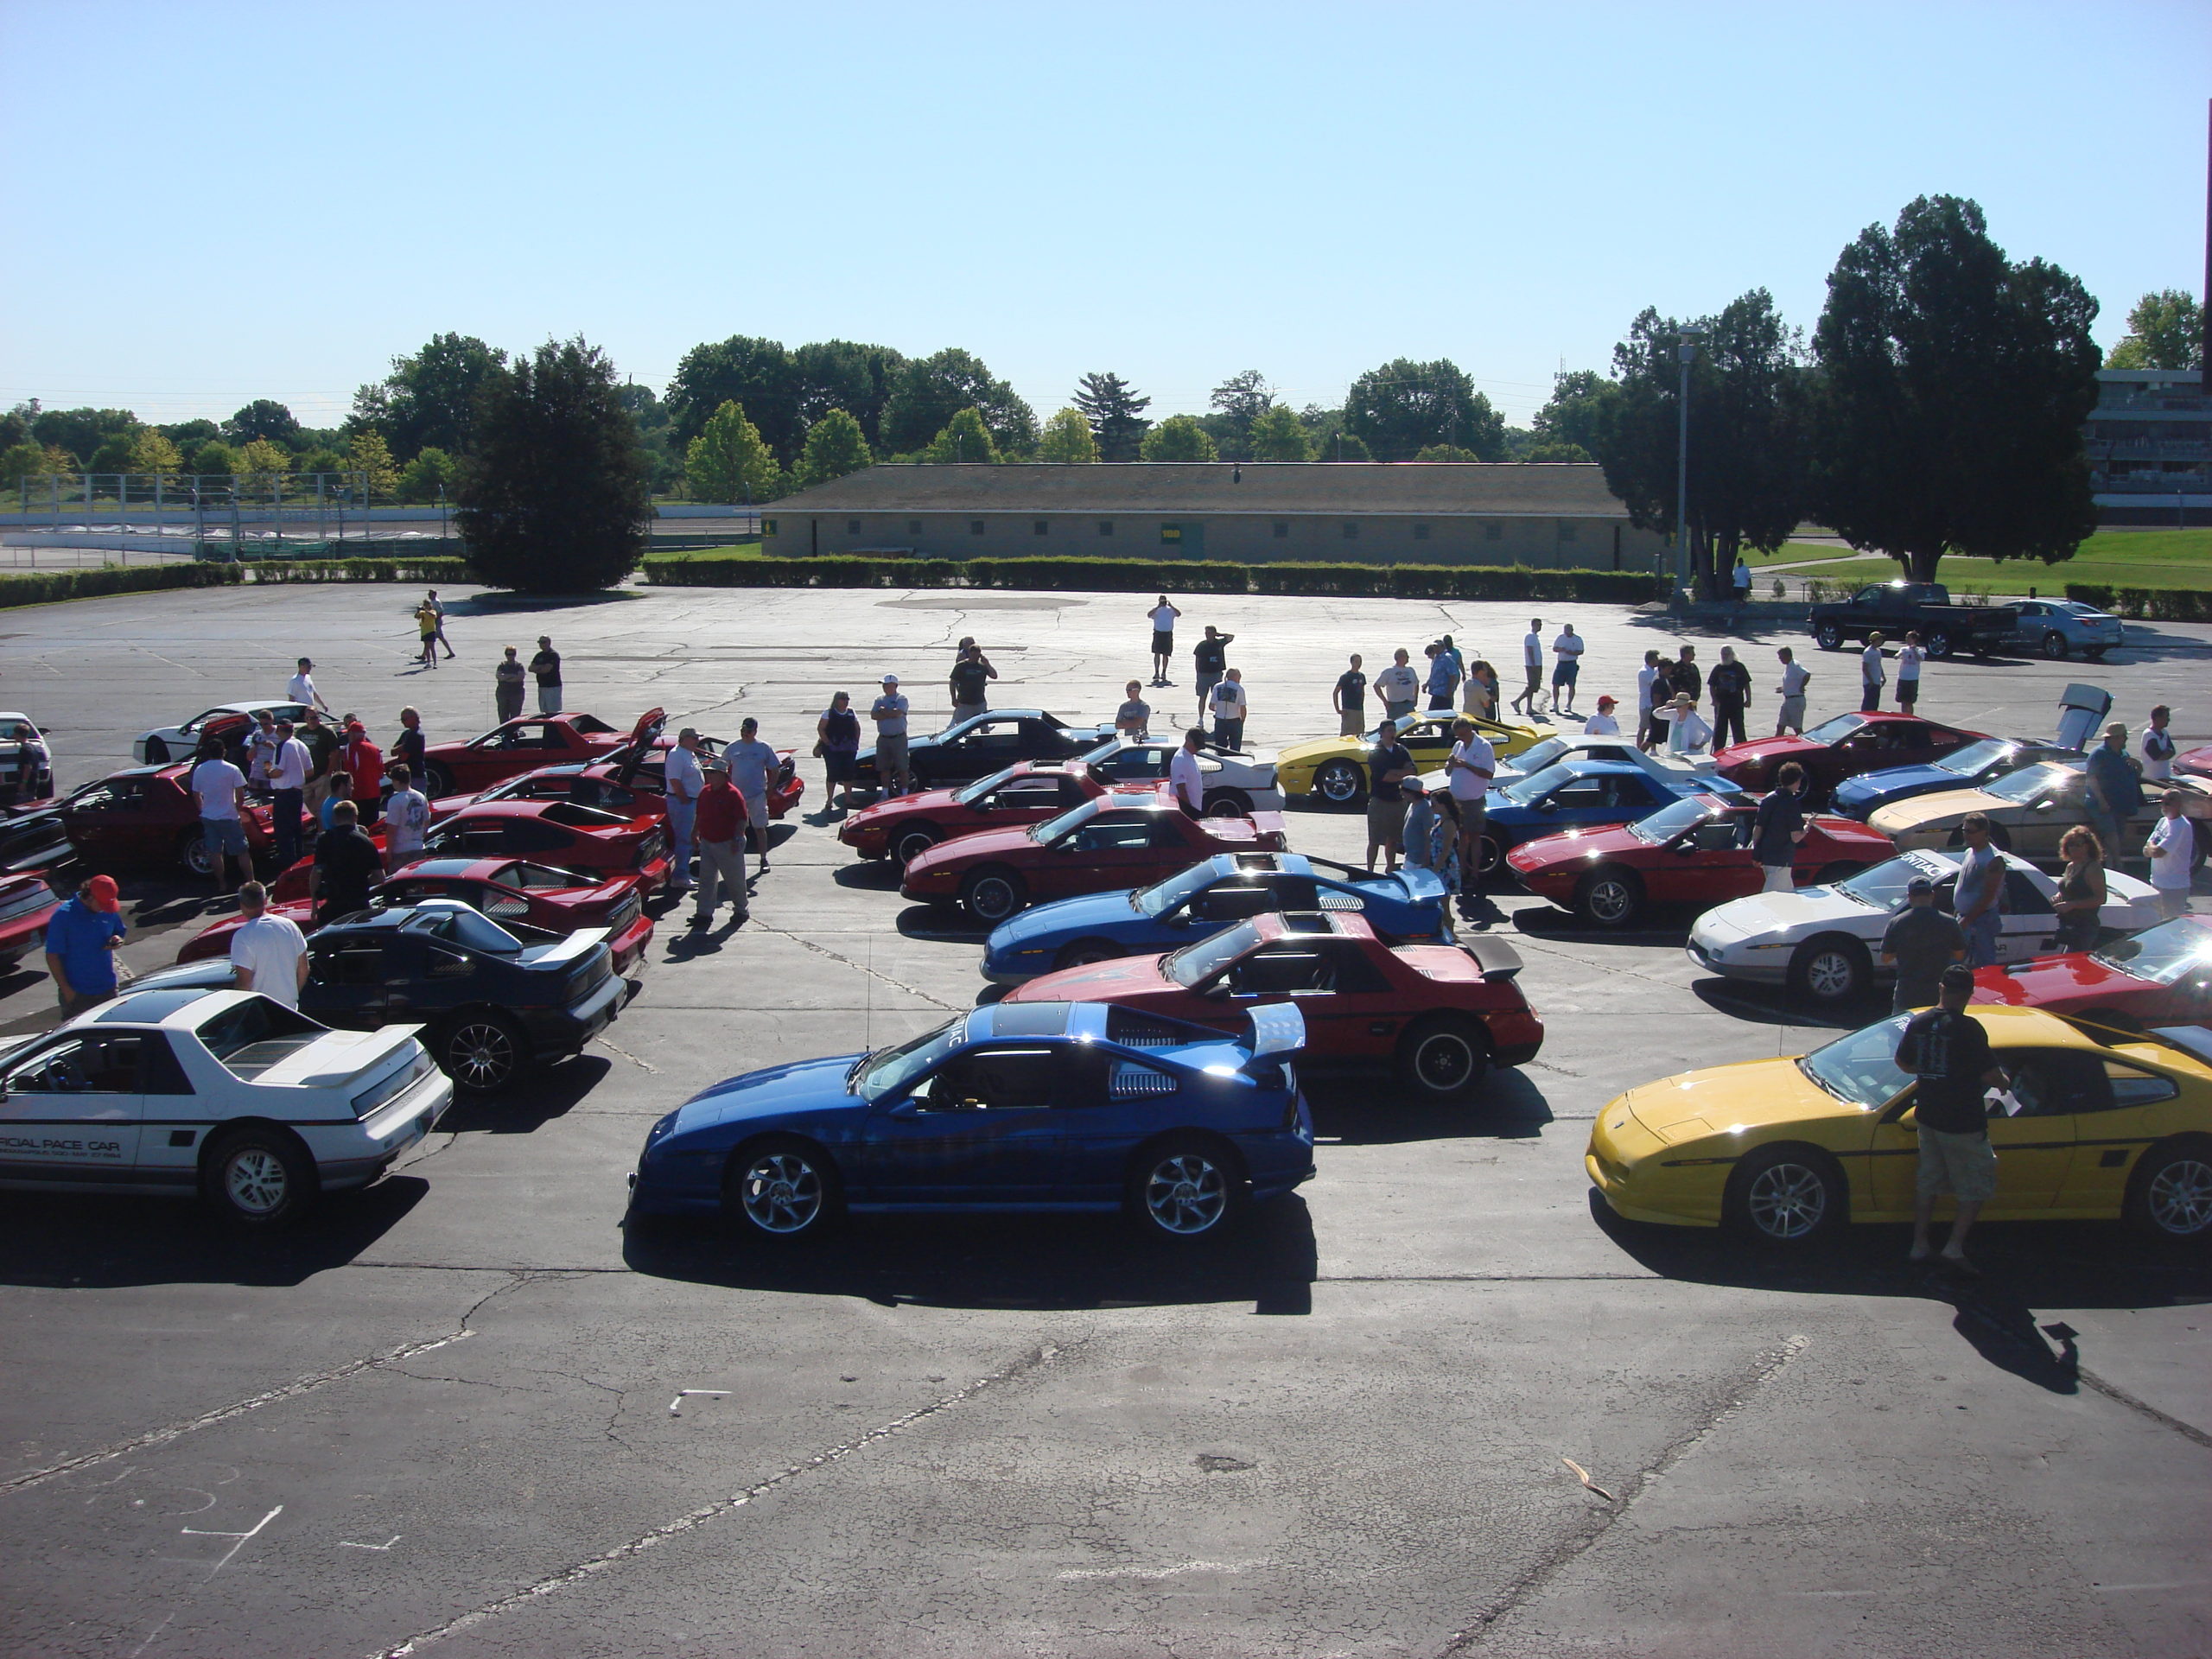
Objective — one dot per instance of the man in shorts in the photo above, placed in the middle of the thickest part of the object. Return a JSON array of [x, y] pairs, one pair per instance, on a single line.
[[1163, 638], [1389, 763], [1791, 715], [1949, 1052], [1211, 655], [1472, 765], [1351, 698]]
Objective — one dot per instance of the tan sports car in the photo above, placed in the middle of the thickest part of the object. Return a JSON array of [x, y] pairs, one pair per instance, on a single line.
[[2029, 811]]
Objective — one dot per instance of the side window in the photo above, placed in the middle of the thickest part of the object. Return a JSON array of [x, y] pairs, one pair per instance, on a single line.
[[999, 1079], [346, 964], [105, 1063], [2022, 897], [159, 1071], [2058, 1082], [1583, 791], [1232, 903], [494, 903], [2131, 1087], [1716, 835], [528, 835], [1166, 830], [1113, 836], [1281, 971], [1354, 974]]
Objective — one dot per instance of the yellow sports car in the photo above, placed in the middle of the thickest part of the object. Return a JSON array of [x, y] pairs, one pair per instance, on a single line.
[[1785, 1152], [2029, 811], [1335, 768]]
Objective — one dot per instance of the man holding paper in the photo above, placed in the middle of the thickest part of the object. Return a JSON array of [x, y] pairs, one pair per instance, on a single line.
[[1949, 1053]]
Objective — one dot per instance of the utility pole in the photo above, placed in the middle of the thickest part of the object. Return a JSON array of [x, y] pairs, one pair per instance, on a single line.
[[1688, 353]]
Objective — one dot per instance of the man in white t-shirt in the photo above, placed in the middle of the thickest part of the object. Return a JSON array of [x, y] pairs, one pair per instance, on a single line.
[[683, 780], [2172, 850], [216, 786], [1566, 668], [2159, 747], [406, 819], [1186, 778], [1602, 724], [1229, 708], [1467, 773], [1795, 678], [1398, 686], [1532, 666], [268, 954], [301, 689], [288, 783], [1163, 638], [1908, 661], [1648, 678], [1872, 676]]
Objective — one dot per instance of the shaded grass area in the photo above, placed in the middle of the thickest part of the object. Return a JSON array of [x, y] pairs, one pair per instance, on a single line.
[[2123, 558]]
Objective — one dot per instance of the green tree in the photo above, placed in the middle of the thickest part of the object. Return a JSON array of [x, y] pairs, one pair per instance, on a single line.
[[215, 458], [263, 418], [966, 437], [553, 494], [1278, 435], [262, 455], [323, 459], [1447, 453], [836, 445], [928, 391], [365, 452], [22, 461], [2165, 331], [1067, 438], [113, 454], [152, 452], [1567, 427], [756, 374], [1954, 387], [1180, 437], [1240, 402], [431, 470], [188, 435], [1403, 407], [1341, 445], [730, 460], [81, 431], [1115, 414], [428, 398], [839, 375]]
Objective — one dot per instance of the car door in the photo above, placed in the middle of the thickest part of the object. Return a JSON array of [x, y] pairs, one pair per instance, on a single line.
[[1033, 795], [175, 1120], [98, 819], [2025, 928], [2143, 1107], [2035, 830], [1337, 991], [983, 749], [979, 1129], [72, 1109], [1113, 850], [2035, 1149], [345, 980], [1109, 1105], [1708, 863]]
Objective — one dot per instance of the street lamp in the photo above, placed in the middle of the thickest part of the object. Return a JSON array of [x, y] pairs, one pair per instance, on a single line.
[[1688, 353]]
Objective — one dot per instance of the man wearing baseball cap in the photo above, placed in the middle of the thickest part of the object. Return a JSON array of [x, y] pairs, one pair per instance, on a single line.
[[546, 667], [1920, 943], [894, 774], [684, 782], [1602, 724], [81, 938]]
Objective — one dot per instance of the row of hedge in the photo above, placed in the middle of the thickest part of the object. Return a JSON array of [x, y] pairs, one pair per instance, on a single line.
[[1155, 575], [431, 570], [2144, 604], [45, 586]]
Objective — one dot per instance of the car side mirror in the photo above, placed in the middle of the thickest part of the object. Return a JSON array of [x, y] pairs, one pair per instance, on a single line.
[[1684, 847], [2046, 805], [905, 1108], [1220, 988]]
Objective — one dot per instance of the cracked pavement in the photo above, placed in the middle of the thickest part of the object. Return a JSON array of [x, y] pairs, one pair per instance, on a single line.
[[436, 1418]]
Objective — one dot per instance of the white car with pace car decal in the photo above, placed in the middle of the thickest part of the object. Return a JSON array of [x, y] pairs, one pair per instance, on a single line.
[[1824, 941], [250, 1105]]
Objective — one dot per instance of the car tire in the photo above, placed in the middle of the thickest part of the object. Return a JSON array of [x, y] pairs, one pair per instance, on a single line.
[[193, 856], [1831, 970], [482, 1052], [1610, 897], [2054, 645], [2170, 1195], [437, 780], [1228, 804], [2094, 653], [993, 893], [1442, 1058], [912, 842], [259, 1176], [782, 1190], [1941, 645], [157, 751], [1490, 858], [1828, 635], [1185, 1189], [1341, 783], [1787, 1198], [1084, 952]]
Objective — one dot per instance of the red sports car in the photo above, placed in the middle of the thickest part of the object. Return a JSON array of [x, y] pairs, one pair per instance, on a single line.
[[2161, 976], [146, 816], [524, 745], [1130, 838], [1840, 748], [26, 902], [2196, 762], [1441, 1013], [617, 785], [506, 890], [905, 825], [1695, 852], [563, 834]]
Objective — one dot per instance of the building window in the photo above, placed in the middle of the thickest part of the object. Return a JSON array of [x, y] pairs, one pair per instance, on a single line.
[[1351, 530], [913, 526], [1565, 530], [767, 526], [975, 526], [1282, 530], [1041, 527], [1420, 532], [852, 526], [1493, 533], [1105, 526]]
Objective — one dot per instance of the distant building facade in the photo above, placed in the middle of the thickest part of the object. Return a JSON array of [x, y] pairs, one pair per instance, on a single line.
[[1543, 515], [2150, 447]]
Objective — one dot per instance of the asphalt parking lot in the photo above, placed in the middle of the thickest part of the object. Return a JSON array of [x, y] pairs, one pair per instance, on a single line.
[[463, 1414]]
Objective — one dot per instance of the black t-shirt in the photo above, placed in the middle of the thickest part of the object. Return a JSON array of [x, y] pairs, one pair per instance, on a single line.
[[968, 680], [1212, 655], [1949, 1052], [350, 865], [408, 748], [547, 666], [1686, 676], [322, 743], [1731, 681], [1381, 762], [1353, 684], [1780, 816]]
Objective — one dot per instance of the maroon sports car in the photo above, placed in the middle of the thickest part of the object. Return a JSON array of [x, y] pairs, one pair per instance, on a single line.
[[526, 744], [2161, 976], [1842, 747]]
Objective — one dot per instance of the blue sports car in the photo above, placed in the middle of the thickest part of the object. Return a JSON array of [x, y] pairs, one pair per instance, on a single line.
[[1575, 795], [1410, 904], [1071, 1107], [1976, 764]]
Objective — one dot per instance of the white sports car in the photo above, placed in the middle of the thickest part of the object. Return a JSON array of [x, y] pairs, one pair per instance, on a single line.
[[1824, 942], [167, 743], [249, 1104]]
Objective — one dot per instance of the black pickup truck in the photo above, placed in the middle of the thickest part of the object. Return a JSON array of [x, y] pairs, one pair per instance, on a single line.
[[1891, 609]]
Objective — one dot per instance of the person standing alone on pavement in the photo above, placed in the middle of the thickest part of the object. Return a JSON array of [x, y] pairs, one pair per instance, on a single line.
[[1730, 685], [1566, 655], [546, 667], [1133, 718], [2115, 792], [1908, 661], [1350, 699], [2172, 849], [1872, 676], [218, 785], [268, 954], [1211, 655], [507, 681], [81, 938], [2159, 747], [722, 828], [300, 690], [893, 772], [1948, 1051], [684, 784], [1791, 715], [1472, 765], [1532, 668], [970, 675], [1229, 708], [1920, 943], [1163, 638], [751, 762], [1398, 686], [1780, 829], [1977, 896]]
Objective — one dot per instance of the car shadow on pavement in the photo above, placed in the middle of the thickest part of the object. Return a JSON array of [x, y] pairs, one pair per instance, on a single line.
[[1768, 1004], [531, 1103], [2023, 1266], [1377, 1109], [939, 922], [868, 875], [1661, 925], [1039, 1262], [68, 1240]]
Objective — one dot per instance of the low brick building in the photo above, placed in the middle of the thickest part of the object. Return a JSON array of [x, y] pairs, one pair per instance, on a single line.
[[1543, 515]]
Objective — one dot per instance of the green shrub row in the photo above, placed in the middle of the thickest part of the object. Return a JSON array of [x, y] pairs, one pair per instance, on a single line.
[[44, 587], [2144, 604], [432, 570], [1169, 576]]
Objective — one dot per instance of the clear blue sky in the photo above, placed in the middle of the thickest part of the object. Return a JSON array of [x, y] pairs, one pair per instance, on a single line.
[[211, 202]]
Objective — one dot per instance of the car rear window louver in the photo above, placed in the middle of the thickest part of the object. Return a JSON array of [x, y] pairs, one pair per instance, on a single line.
[[1133, 1031]]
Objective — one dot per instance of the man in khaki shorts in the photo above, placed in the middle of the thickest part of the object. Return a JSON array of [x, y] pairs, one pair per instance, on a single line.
[[1949, 1052]]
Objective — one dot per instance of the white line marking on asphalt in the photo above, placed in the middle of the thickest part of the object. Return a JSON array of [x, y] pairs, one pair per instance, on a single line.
[[676, 1405], [347, 1543]]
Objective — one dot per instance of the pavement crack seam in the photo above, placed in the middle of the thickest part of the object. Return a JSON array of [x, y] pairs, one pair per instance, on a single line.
[[1598, 1522], [392, 1357], [860, 967], [2118, 1396], [1035, 1359]]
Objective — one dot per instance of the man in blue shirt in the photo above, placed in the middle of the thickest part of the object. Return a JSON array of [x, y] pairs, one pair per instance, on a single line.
[[2115, 790], [81, 940]]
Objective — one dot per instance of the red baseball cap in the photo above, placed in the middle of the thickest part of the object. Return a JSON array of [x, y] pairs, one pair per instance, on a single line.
[[100, 894], [1608, 703]]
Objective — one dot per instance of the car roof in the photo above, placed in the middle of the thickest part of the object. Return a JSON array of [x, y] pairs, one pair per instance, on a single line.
[[1310, 925], [156, 1007], [448, 867], [392, 916]]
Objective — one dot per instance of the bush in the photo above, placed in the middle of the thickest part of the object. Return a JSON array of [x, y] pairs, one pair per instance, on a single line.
[[2144, 604], [431, 571], [45, 586]]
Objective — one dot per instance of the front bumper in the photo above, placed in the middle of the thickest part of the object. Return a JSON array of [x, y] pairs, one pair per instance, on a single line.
[[1762, 972]]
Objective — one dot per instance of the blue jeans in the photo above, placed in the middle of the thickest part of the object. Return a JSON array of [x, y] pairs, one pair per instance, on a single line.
[[1981, 939], [284, 813], [681, 815]]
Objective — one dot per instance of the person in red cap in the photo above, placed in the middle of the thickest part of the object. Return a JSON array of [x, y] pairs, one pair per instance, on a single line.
[[1602, 724], [81, 938], [363, 761]]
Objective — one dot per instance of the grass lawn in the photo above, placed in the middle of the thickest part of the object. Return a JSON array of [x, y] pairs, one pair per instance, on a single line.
[[735, 551], [2117, 559]]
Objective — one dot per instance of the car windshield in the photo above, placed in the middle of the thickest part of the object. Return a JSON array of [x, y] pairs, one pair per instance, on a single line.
[[251, 1036], [1834, 731], [1545, 753], [1163, 896], [1103, 753], [479, 933], [1537, 784], [1970, 760], [2163, 954], [888, 1071], [2030, 784], [1668, 822], [1861, 1069], [976, 791], [1883, 886], [1052, 829], [1208, 957]]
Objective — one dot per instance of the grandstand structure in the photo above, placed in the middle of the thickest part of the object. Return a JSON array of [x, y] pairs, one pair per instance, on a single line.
[[220, 516]]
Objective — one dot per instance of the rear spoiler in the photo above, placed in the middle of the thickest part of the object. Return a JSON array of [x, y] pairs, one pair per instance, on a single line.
[[1498, 959], [1277, 1028]]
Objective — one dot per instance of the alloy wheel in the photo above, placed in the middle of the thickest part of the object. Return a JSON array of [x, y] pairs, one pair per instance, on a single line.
[[1444, 1061], [2179, 1198], [1611, 901], [1787, 1201], [782, 1193], [1831, 975], [255, 1181], [482, 1055], [1187, 1194]]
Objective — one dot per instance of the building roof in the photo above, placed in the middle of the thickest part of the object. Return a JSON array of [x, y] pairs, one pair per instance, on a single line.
[[1441, 489]]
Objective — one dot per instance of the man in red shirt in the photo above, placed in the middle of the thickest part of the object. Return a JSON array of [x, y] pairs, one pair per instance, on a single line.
[[720, 826], [363, 761]]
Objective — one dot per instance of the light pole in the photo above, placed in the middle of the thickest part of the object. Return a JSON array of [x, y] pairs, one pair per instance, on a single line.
[[1688, 353]]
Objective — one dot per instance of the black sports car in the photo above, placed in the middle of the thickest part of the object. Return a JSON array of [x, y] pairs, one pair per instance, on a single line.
[[986, 743], [494, 999]]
